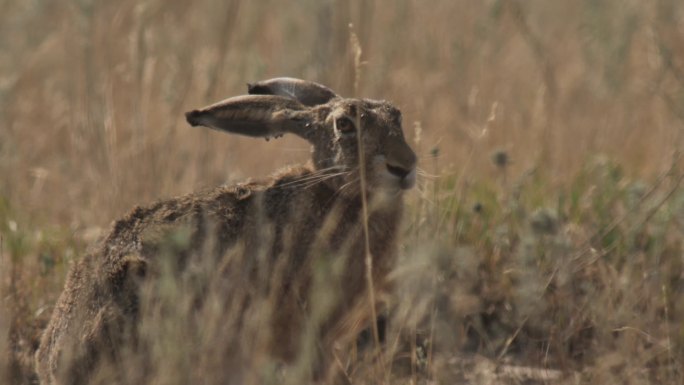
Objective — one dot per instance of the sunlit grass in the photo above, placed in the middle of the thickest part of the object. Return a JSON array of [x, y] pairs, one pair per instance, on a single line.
[[546, 229]]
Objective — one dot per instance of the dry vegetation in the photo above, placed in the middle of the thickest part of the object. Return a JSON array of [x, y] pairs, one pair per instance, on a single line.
[[546, 232]]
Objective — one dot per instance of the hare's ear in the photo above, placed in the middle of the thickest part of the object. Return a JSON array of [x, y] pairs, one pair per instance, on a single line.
[[254, 115], [306, 92]]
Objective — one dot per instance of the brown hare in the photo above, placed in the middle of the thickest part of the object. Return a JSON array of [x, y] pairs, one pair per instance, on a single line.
[[345, 204]]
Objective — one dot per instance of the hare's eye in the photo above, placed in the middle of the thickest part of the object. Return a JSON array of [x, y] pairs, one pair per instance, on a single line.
[[345, 126]]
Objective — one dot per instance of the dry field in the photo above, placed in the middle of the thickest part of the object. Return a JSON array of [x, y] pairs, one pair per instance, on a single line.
[[545, 240]]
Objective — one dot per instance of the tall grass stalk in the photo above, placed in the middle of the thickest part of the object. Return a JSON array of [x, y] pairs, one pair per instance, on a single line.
[[565, 263]]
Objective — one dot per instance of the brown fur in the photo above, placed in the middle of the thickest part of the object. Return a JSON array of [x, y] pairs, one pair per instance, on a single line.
[[295, 218]]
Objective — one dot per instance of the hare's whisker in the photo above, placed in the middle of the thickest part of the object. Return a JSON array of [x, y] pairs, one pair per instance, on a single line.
[[314, 178]]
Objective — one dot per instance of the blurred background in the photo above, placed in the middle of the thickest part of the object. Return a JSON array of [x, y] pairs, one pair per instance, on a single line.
[[92, 93], [547, 134]]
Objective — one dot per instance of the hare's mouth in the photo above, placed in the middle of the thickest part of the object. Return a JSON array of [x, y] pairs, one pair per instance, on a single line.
[[392, 176], [407, 179]]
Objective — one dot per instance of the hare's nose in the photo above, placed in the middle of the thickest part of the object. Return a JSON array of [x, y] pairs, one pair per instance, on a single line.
[[401, 162], [398, 171], [406, 176]]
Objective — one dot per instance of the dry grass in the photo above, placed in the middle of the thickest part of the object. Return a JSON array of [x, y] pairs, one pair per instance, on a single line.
[[547, 229]]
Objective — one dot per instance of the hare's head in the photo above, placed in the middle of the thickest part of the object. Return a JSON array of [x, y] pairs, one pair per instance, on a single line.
[[344, 133]]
